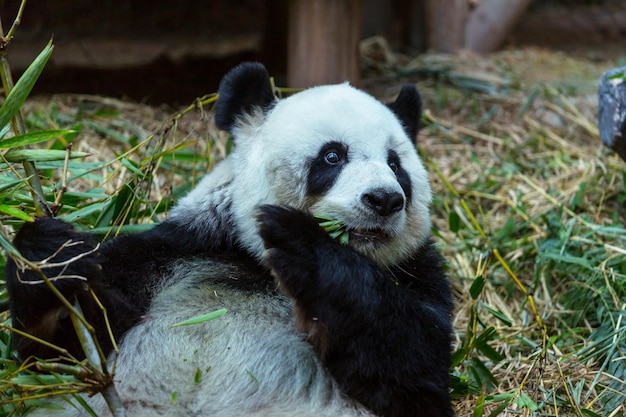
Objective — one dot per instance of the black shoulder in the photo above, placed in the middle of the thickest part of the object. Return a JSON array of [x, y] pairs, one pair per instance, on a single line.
[[244, 88]]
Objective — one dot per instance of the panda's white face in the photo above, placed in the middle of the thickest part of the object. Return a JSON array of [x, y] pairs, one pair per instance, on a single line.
[[338, 152]]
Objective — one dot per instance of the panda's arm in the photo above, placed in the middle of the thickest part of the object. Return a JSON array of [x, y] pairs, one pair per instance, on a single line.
[[121, 274], [72, 262], [387, 346]]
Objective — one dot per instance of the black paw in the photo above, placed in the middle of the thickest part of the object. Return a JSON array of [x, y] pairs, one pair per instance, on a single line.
[[289, 229], [58, 249], [293, 240]]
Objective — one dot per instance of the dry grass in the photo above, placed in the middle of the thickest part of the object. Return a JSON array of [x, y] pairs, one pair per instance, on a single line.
[[529, 209], [535, 178]]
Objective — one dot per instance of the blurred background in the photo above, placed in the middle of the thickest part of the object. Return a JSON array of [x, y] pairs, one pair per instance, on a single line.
[[160, 51]]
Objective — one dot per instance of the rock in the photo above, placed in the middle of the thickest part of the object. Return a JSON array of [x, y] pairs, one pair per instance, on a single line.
[[612, 110]]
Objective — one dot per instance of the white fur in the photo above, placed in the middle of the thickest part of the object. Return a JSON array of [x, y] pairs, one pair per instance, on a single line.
[[199, 209], [267, 166], [264, 368]]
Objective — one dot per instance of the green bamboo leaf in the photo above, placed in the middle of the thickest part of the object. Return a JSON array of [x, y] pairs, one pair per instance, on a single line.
[[24, 85], [197, 378], [15, 212], [334, 228], [499, 409], [5, 183], [47, 404], [123, 229], [454, 222], [32, 138], [489, 352], [85, 212], [589, 413], [8, 246], [43, 379], [35, 155], [482, 373], [133, 167], [499, 315], [203, 318], [480, 406], [4, 130], [459, 356], [524, 401], [477, 287], [344, 238]]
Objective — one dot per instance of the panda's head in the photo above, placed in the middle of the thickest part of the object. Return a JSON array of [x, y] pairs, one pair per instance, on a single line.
[[333, 151]]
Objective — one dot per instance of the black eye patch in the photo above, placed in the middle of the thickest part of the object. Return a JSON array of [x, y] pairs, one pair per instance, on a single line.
[[326, 167], [393, 160]]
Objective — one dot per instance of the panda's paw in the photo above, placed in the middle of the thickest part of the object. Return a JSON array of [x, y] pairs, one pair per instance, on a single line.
[[291, 238], [289, 229], [49, 242]]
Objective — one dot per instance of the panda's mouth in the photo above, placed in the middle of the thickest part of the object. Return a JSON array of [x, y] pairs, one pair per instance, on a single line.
[[368, 234]]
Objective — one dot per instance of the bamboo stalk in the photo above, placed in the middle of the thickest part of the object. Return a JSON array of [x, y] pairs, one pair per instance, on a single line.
[[19, 127]]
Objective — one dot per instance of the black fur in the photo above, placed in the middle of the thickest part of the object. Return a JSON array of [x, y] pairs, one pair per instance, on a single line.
[[408, 108], [33, 307], [243, 88], [401, 175], [383, 202], [196, 241], [124, 274], [323, 174], [384, 335]]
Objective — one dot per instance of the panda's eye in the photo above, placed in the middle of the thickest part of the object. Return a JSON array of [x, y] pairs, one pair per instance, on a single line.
[[393, 165], [332, 157]]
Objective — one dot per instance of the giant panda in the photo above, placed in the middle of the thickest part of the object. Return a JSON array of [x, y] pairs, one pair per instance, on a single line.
[[314, 326]]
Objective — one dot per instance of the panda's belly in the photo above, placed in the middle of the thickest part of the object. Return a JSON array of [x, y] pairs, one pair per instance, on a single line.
[[250, 361]]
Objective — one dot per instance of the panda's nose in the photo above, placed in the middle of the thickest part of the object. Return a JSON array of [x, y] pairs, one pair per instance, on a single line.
[[383, 202]]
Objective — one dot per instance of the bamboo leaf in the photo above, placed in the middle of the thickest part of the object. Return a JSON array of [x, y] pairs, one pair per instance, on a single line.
[[35, 155], [589, 413], [498, 314], [4, 130], [15, 212], [568, 259], [477, 287], [6, 183], [8, 246], [203, 318], [197, 378], [32, 138], [24, 85], [133, 167], [480, 406], [454, 222]]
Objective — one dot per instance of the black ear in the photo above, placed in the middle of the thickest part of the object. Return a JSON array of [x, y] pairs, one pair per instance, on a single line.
[[408, 108], [244, 88]]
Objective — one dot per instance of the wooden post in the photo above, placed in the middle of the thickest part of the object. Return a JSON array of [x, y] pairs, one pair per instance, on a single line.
[[446, 30], [490, 23], [323, 42]]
